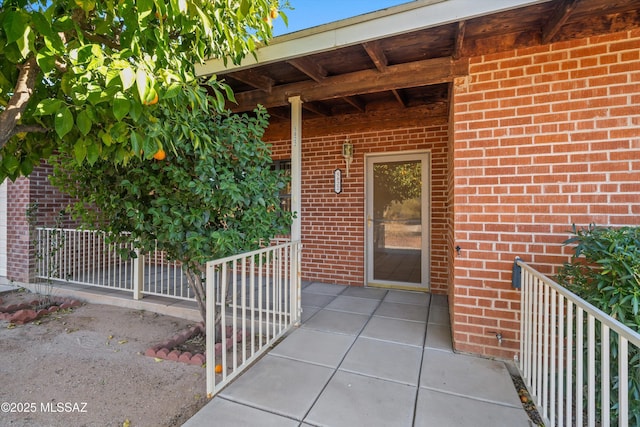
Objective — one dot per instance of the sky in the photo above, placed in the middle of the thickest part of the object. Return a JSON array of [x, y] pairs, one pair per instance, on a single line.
[[311, 13]]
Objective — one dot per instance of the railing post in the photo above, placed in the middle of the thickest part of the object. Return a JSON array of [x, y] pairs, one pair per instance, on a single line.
[[210, 335], [294, 300], [138, 275], [516, 274]]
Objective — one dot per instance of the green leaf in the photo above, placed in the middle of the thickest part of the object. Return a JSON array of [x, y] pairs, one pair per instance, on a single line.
[[10, 163], [16, 23], [142, 82], [80, 150], [245, 8], [25, 43], [136, 111], [121, 106], [128, 78], [46, 62], [136, 142], [26, 167], [93, 153], [84, 122], [47, 106], [63, 122]]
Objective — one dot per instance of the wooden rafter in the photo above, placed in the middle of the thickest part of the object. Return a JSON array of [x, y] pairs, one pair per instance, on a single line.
[[317, 108], [412, 74], [254, 79], [310, 68], [375, 52], [558, 19], [356, 103], [459, 40], [399, 97]]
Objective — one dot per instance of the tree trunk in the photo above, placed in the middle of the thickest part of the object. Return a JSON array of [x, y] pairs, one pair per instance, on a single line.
[[22, 92], [194, 278]]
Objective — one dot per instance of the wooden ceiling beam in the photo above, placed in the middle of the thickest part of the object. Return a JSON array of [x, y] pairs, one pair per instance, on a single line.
[[310, 68], [459, 40], [558, 19], [254, 79], [375, 52], [412, 74]]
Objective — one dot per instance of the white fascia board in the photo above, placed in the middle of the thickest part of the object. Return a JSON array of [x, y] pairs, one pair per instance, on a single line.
[[401, 19]]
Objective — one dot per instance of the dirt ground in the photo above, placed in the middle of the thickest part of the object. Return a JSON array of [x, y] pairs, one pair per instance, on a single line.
[[86, 367]]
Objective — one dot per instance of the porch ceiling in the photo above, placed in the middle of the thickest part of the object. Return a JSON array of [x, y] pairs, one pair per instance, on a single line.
[[415, 67]]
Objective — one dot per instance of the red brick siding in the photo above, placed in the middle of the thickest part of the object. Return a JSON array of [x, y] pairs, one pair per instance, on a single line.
[[23, 194], [545, 137], [333, 225], [20, 264]]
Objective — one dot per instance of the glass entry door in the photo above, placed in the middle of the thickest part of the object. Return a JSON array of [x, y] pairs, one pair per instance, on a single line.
[[398, 221]]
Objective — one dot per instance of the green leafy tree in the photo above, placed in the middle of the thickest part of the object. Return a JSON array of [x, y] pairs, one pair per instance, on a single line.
[[85, 77], [198, 204], [109, 86]]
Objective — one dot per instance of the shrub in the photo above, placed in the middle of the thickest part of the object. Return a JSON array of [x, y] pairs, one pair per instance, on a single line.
[[605, 271]]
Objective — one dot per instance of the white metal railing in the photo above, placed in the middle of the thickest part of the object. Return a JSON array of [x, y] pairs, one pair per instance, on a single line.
[[253, 299], [580, 365], [84, 257]]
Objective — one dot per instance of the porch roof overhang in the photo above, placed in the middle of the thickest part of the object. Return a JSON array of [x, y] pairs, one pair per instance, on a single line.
[[407, 55]]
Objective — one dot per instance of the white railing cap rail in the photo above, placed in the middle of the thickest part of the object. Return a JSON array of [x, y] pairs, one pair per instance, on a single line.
[[615, 325], [251, 253]]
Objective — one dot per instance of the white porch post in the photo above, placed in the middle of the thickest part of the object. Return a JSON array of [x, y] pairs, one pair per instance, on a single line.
[[296, 167], [138, 275]]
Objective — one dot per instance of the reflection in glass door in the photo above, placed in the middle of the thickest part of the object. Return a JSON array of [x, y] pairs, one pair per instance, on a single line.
[[398, 220]]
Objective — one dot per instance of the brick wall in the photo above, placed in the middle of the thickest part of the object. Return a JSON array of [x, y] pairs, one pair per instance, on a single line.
[[20, 264], [333, 225], [45, 202], [545, 137]]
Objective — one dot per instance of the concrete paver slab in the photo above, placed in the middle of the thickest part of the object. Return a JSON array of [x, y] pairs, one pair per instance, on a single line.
[[353, 305], [308, 312], [352, 400], [283, 386], [439, 337], [395, 330], [384, 360], [417, 313], [483, 379], [223, 412], [405, 297], [337, 321], [310, 299], [324, 288], [319, 347], [360, 292], [434, 408], [439, 316]]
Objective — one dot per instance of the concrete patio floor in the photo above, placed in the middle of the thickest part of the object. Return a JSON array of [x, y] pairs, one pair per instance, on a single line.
[[368, 357]]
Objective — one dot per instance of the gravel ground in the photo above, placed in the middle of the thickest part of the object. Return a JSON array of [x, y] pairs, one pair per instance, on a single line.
[[86, 367]]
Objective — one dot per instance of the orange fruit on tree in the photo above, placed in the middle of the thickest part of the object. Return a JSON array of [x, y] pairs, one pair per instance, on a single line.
[[160, 155], [274, 13], [153, 101], [218, 369]]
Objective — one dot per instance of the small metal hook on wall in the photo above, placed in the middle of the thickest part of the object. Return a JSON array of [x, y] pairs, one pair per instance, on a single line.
[[458, 249]]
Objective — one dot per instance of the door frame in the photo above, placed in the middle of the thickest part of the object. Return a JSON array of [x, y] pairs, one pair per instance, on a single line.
[[369, 160]]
